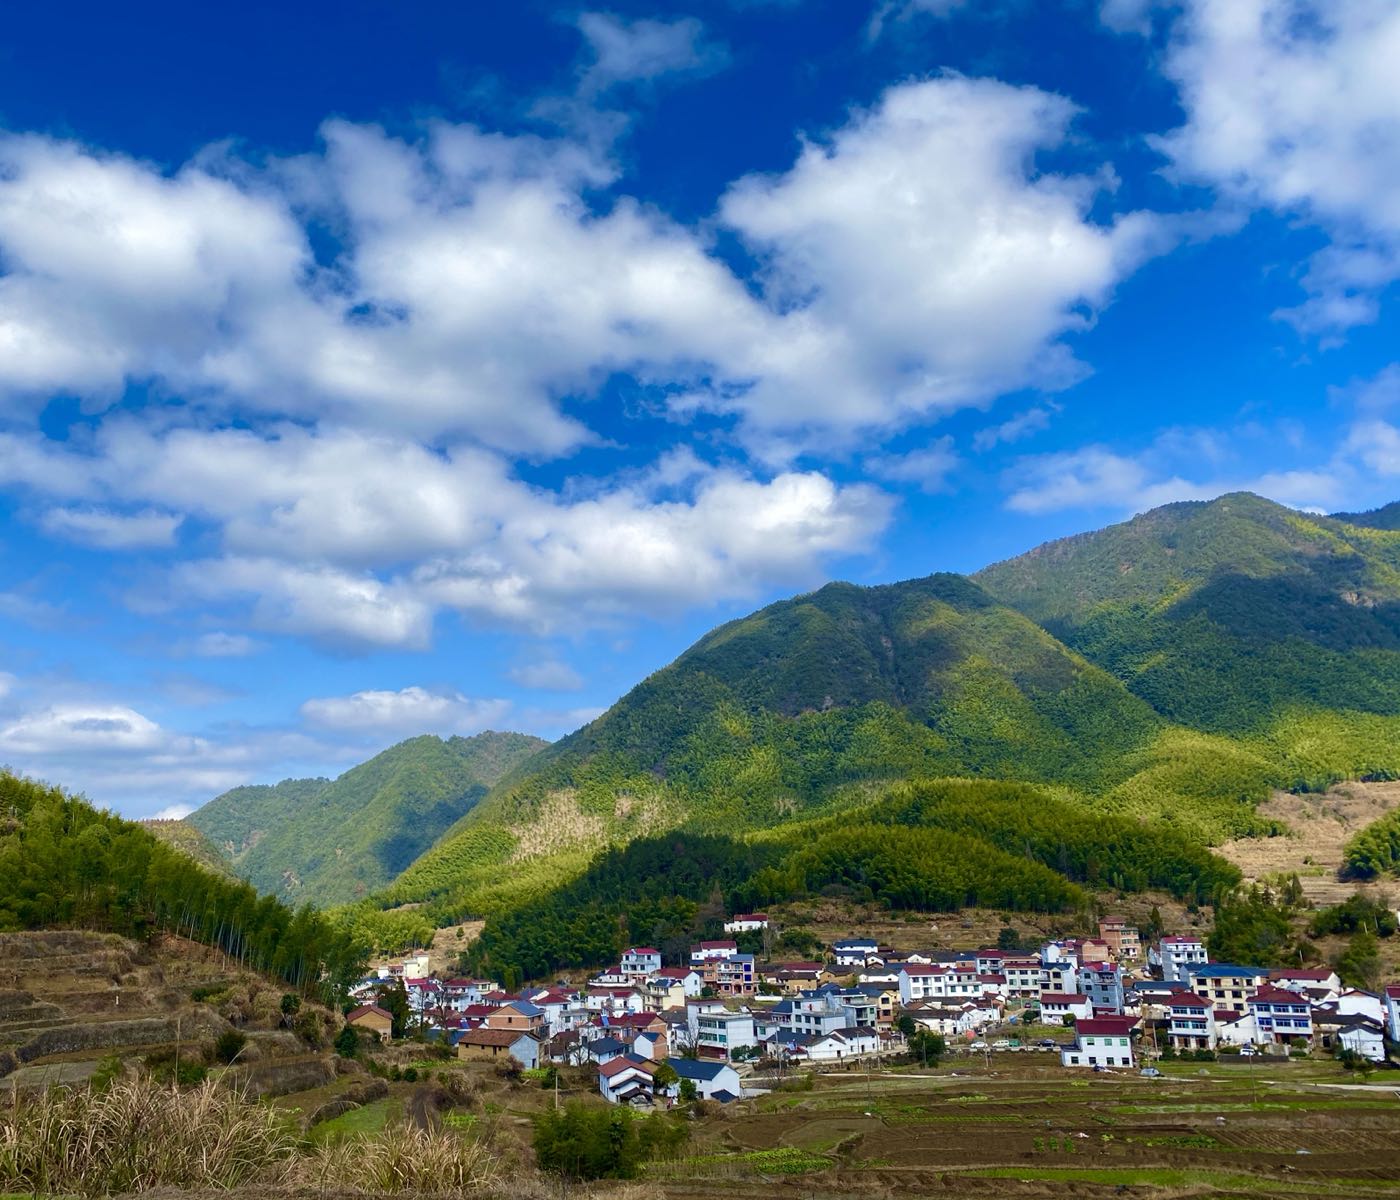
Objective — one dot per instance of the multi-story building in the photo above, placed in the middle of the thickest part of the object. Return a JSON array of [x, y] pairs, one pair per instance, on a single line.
[[1122, 939], [1100, 1042], [1227, 985], [1190, 1022], [1281, 1014], [1179, 955], [855, 952], [734, 976], [640, 960], [720, 1034], [1102, 982]]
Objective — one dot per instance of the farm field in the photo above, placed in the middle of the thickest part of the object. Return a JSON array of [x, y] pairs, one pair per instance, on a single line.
[[1030, 1129]]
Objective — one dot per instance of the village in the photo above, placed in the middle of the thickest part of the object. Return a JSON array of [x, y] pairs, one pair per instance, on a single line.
[[724, 1025]]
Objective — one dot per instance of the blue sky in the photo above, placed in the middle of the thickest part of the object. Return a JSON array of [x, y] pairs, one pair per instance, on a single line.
[[375, 369]]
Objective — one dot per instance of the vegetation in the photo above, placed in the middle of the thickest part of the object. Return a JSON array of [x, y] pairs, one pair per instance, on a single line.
[[66, 864], [336, 840], [1255, 928], [1375, 850], [586, 1141], [940, 845], [135, 1135]]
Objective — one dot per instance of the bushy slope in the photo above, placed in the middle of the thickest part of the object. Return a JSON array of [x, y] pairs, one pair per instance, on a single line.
[[1230, 616], [332, 841], [185, 838], [795, 710]]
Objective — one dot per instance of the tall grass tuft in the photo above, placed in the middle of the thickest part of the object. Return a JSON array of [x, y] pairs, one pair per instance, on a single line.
[[136, 1136], [399, 1159]]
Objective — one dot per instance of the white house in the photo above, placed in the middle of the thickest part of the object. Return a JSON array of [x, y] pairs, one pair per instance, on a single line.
[[1322, 983], [855, 952], [1178, 954], [1282, 1014], [640, 960], [725, 1032], [841, 1045], [1056, 1006], [1100, 1042], [705, 952], [712, 1080], [746, 922], [1356, 1003], [1362, 1036], [1392, 1012], [1190, 1022], [626, 1081]]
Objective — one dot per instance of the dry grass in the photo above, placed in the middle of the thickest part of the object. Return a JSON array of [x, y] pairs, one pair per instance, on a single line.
[[400, 1159], [136, 1136]]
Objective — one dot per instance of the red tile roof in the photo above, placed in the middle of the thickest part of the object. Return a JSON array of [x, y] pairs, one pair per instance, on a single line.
[[1112, 1026]]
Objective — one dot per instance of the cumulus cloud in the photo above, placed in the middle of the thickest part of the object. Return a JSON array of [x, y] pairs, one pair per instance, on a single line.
[[623, 51], [109, 530], [410, 710], [547, 675], [1128, 16], [81, 727], [1294, 105], [172, 812], [921, 264]]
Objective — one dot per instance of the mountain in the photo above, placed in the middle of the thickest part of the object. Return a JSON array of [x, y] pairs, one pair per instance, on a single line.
[[1386, 517], [1173, 668], [801, 708], [1233, 616], [331, 841]]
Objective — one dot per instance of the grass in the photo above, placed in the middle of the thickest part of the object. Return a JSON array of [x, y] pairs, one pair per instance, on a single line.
[[368, 1119]]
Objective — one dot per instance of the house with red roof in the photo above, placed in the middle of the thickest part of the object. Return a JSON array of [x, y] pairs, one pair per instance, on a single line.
[[1100, 1042]]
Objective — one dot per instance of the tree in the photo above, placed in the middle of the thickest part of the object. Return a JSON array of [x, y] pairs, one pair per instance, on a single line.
[[906, 1025], [1009, 940], [688, 1092], [393, 999], [581, 1141], [1360, 963], [927, 1048], [347, 1042], [291, 1005], [664, 1078]]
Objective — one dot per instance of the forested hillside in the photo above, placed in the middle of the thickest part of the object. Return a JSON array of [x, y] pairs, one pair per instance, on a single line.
[[933, 846], [1232, 616], [64, 864], [333, 841]]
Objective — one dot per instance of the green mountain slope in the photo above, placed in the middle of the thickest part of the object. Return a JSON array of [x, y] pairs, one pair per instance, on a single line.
[[1234, 616], [185, 838], [239, 819], [793, 711], [331, 841]]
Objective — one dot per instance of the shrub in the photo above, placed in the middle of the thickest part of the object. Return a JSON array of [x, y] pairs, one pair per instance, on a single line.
[[583, 1141], [229, 1046], [347, 1042], [401, 1159]]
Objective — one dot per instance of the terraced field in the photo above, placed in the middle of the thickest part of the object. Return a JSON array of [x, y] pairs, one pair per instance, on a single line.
[[1032, 1130]]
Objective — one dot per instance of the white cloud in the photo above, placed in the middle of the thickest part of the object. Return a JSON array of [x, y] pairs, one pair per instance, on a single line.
[[548, 675], [412, 710], [360, 538], [624, 51], [111, 530], [928, 467], [172, 812], [1294, 105], [1095, 477], [891, 12], [81, 727], [1015, 429], [921, 264], [220, 644], [1377, 393], [1376, 444]]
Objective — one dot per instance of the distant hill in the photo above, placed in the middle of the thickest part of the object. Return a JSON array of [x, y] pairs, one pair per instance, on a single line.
[[1225, 616], [331, 841], [1387, 517], [190, 841]]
